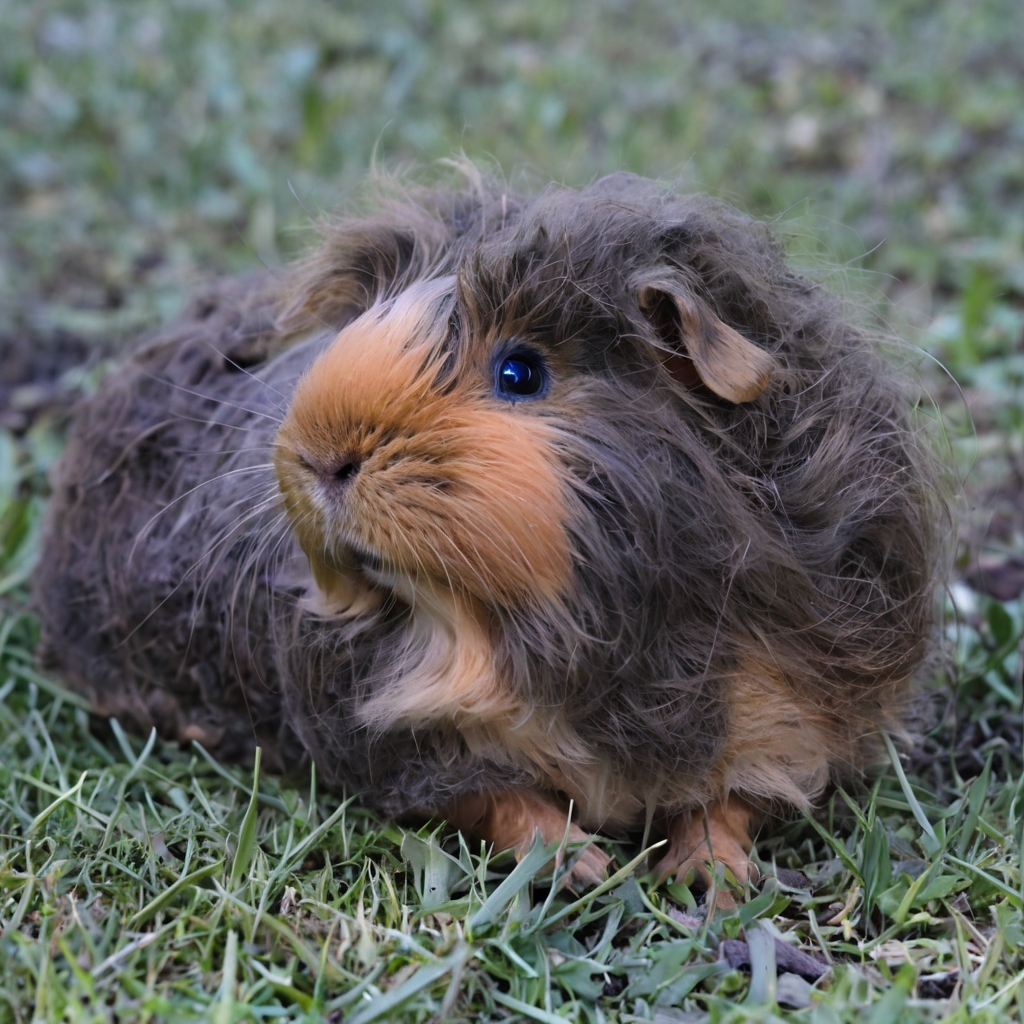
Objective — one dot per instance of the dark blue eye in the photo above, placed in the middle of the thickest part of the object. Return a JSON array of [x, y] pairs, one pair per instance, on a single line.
[[520, 375]]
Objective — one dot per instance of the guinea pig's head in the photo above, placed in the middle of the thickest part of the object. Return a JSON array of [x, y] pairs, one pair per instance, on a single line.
[[505, 424], [406, 461]]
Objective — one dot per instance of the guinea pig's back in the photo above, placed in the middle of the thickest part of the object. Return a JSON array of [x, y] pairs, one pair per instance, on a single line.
[[164, 531]]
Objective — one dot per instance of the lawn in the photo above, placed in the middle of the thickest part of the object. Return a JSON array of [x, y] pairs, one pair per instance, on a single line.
[[147, 146]]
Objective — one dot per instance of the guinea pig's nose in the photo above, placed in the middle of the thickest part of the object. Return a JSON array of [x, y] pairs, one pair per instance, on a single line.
[[336, 471]]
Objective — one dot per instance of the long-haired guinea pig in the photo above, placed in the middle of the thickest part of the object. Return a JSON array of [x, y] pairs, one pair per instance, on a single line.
[[498, 503]]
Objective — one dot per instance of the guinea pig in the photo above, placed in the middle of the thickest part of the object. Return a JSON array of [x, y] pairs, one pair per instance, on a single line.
[[498, 503]]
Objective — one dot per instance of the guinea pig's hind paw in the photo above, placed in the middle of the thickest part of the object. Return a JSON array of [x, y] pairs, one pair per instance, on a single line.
[[700, 838]]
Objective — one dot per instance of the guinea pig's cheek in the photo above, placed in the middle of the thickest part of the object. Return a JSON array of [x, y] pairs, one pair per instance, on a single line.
[[516, 486], [477, 503]]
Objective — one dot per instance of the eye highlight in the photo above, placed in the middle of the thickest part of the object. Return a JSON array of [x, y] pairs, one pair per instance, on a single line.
[[520, 375]]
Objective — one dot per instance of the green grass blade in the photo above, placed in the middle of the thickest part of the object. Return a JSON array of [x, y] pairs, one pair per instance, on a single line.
[[247, 833], [69, 794], [265, 798], [533, 1012], [1011, 894], [225, 1010], [171, 892], [889, 1009], [385, 1005], [54, 791], [916, 809], [975, 799], [539, 854], [608, 884], [294, 855], [761, 944], [26, 895], [49, 686]]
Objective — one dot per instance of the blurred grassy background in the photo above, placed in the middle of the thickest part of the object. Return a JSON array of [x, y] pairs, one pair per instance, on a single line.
[[144, 145], [147, 146]]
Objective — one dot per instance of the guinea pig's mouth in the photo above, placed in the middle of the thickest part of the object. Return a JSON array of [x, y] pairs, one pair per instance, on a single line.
[[370, 562], [374, 566]]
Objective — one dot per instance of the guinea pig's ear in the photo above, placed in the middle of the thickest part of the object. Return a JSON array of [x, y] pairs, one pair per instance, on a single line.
[[701, 349]]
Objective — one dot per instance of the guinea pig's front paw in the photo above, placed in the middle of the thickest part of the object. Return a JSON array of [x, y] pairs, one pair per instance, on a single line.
[[511, 819], [698, 838], [589, 867]]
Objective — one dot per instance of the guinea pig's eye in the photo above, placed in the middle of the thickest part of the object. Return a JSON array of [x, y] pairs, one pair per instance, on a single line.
[[520, 375]]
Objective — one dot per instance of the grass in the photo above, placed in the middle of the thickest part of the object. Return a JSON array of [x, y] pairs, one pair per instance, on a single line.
[[144, 146], [143, 882]]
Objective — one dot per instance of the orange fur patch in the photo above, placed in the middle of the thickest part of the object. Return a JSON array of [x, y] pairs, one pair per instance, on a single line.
[[780, 746]]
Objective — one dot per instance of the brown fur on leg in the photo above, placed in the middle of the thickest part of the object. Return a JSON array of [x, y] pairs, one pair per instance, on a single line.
[[726, 823], [510, 819]]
